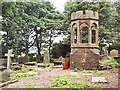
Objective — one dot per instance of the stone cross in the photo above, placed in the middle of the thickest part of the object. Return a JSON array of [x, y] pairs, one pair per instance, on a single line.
[[8, 58]]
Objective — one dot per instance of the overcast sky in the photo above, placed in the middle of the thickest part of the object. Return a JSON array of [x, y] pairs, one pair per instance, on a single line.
[[59, 4]]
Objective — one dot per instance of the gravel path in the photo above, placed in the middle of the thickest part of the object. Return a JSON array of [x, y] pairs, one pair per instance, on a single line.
[[44, 79]]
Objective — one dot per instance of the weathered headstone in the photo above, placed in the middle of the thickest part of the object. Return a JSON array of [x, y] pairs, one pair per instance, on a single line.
[[46, 58], [8, 59], [3, 62], [114, 53], [61, 58], [31, 58], [99, 79], [5, 75]]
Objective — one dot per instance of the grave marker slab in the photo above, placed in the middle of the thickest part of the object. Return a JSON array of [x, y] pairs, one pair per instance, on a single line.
[[99, 79]]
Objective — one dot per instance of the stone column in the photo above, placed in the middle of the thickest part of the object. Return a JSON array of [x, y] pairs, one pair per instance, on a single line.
[[72, 35], [97, 29], [78, 33], [89, 35]]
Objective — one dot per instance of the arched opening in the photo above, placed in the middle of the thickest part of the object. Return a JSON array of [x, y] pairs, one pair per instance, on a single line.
[[84, 35], [75, 35], [93, 35]]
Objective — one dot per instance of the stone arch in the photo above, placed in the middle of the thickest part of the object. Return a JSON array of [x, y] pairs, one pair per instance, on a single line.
[[74, 26], [94, 25], [84, 32], [83, 24], [93, 32]]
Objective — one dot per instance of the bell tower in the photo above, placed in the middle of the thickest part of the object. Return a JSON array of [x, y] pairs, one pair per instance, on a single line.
[[84, 39]]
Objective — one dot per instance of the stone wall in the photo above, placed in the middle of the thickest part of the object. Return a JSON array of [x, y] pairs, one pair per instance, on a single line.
[[84, 57]]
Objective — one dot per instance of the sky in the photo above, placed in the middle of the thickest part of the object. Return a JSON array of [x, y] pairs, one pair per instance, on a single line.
[[59, 4]]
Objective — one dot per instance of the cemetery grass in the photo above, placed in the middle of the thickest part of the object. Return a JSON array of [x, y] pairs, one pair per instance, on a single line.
[[59, 78]]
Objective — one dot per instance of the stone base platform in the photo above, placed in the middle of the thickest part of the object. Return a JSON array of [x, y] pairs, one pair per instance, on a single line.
[[86, 58]]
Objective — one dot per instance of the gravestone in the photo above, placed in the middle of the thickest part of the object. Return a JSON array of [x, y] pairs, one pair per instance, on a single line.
[[3, 62], [61, 58], [99, 79], [31, 58], [114, 53], [8, 59], [46, 58], [5, 75]]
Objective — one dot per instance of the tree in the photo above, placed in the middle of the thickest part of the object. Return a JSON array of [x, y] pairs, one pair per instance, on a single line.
[[108, 18], [9, 26], [47, 21], [17, 26], [27, 24]]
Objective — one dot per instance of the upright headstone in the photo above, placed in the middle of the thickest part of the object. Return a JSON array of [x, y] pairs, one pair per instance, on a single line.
[[8, 59], [31, 58], [114, 53], [46, 58]]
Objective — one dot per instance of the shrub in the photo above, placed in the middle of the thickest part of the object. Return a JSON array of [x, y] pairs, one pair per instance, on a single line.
[[110, 60], [75, 70], [96, 72], [24, 75], [89, 72], [119, 77], [68, 54], [80, 68], [60, 82]]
